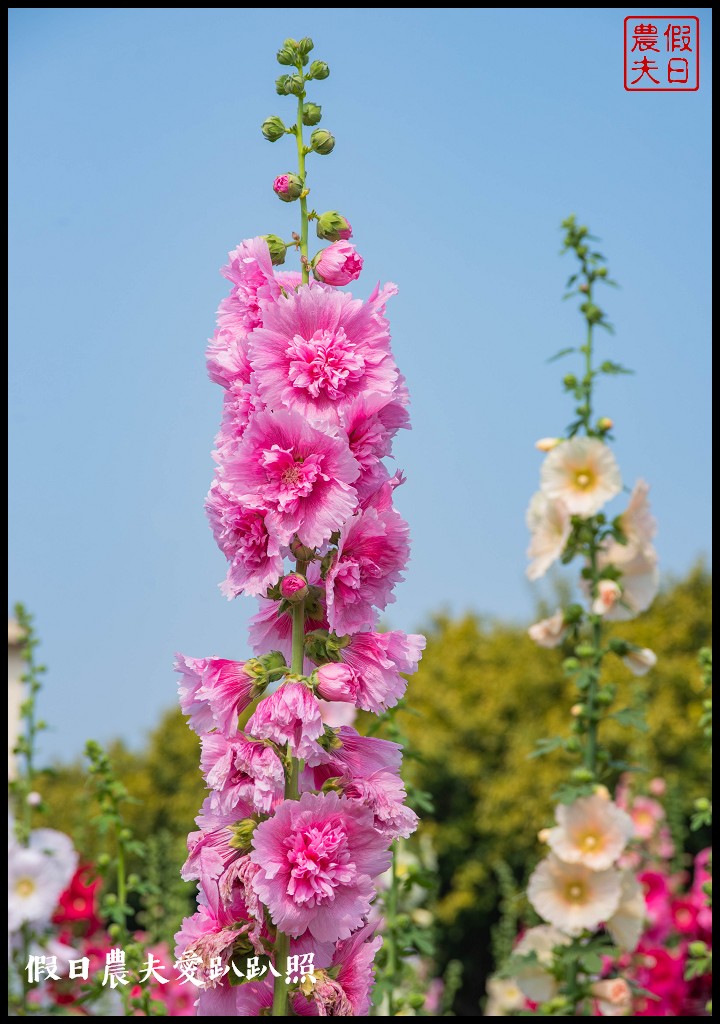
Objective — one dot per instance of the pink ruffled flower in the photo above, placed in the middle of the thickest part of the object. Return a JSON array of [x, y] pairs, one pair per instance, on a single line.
[[250, 270], [358, 756], [347, 994], [213, 692], [209, 934], [377, 660], [242, 535], [319, 350], [646, 814], [317, 857], [373, 550], [290, 715], [271, 628], [371, 421], [238, 770], [300, 473], [384, 793], [657, 902], [337, 682], [227, 359], [339, 264]]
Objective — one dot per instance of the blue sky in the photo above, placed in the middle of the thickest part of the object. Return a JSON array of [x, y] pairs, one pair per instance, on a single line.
[[463, 138]]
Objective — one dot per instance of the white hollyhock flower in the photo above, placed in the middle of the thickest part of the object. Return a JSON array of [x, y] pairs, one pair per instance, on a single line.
[[582, 473], [592, 831], [573, 897]]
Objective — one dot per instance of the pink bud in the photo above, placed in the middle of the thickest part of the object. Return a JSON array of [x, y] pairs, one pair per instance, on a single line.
[[605, 424], [337, 682], [34, 799], [608, 594], [293, 587], [281, 183], [614, 994], [546, 444], [339, 264], [657, 786]]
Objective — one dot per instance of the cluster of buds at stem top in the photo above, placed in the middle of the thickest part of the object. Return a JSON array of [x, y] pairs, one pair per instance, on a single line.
[[288, 187]]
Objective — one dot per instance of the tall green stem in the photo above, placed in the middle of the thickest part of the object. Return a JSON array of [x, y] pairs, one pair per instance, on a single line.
[[282, 942], [303, 197], [391, 937], [596, 620]]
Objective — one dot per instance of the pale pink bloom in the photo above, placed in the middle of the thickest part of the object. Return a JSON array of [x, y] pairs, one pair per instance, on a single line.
[[371, 421], [336, 714], [213, 691], [34, 886], [614, 997], [546, 444], [640, 660], [533, 978], [250, 270], [288, 280], [302, 474], [590, 831], [608, 594], [626, 923], [317, 857], [637, 521], [337, 682], [339, 264], [241, 533], [582, 473], [319, 350], [240, 402], [503, 996], [549, 523], [657, 786], [646, 814], [640, 578], [227, 360], [378, 659], [358, 757], [572, 897], [549, 632], [346, 992], [241, 771], [209, 851], [384, 793], [207, 936], [290, 716], [372, 552]]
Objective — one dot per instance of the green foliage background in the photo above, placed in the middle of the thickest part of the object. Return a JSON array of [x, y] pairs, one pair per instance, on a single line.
[[483, 696]]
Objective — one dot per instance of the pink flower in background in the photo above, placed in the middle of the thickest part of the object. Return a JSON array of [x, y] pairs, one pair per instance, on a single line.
[[317, 857], [213, 691], [290, 715], [646, 814], [242, 535], [608, 595], [372, 552], [302, 474], [378, 659], [339, 264], [319, 350], [614, 997], [582, 473], [239, 770], [592, 831], [549, 632], [548, 521]]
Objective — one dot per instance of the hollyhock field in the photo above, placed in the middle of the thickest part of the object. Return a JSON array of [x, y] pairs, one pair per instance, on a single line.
[[342, 818]]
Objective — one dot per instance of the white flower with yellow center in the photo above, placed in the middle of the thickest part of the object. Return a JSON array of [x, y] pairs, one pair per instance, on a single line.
[[503, 997], [592, 831], [628, 922], [533, 978], [549, 523], [573, 897], [33, 887], [639, 582], [582, 473]]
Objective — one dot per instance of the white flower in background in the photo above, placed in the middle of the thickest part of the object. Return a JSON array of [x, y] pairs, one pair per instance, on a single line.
[[546, 444], [627, 923], [59, 850], [637, 521], [640, 661], [582, 473], [33, 887], [640, 578], [533, 978], [549, 523], [614, 997], [592, 831], [573, 897], [549, 632], [608, 594], [503, 997]]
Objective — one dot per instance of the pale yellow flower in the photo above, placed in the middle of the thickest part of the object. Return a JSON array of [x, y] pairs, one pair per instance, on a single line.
[[533, 979], [549, 524], [590, 831], [627, 923], [582, 473], [573, 897]]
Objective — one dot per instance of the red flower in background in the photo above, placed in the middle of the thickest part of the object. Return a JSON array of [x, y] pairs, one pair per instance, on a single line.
[[78, 904]]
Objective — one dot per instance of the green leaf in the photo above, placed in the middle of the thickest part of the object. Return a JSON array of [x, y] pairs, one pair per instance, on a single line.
[[546, 747], [591, 962], [612, 368], [633, 718], [561, 353], [568, 793]]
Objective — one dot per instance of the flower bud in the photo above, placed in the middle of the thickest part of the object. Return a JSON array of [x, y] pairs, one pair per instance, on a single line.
[[301, 551], [570, 380], [544, 835], [338, 264], [272, 661], [242, 834], [582, 775], [697, 948], [294, 587], [702, 804], [288, 53], [605, 424], [572, 745], [287, 187], [318, 69], [618, 646], [640, 660], [312, 114], [546, 444], [615, 993], [333, 227], [305, 45], [601, 272], [336, 681], [322, 141], [33, 799], [577, 709], [604, 698], [277, 248], [602, 791], [608, 595], [272, 128], [657, 786]]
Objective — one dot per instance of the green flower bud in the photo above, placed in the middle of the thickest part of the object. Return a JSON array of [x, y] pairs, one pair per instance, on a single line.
[[301, 551], [333, 227], [304, 47], [322, 141], [601, 272], [570, 665], [697, 949], [311, 114], [318, 69], [582, 775], [273, 660], [702, 804], [604, 697], [570, 380], [288, 53], [242, 834], [287, 187], [573, 614], [277, 248], [620, 647], [585, 651], [572, 745], [272, 128], [281, 85]]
